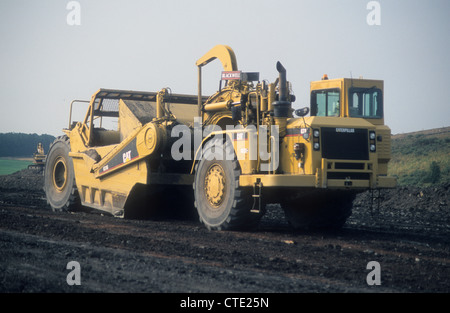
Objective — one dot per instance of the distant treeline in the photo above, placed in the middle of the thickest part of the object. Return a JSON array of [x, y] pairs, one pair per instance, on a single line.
[[23, 145]]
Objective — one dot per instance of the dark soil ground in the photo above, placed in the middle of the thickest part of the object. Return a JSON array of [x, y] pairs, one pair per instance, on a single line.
[[407, 234]]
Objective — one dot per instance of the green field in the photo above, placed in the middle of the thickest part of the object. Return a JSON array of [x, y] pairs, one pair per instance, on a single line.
[[9, 166]]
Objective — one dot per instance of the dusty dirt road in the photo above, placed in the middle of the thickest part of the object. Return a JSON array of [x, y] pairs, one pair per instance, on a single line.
[[408, 236]]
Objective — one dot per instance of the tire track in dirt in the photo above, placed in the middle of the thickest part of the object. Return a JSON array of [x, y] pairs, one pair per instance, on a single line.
[[315, 262]]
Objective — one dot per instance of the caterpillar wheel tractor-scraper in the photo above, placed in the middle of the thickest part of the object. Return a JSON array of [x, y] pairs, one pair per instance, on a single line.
[[38, 159], [145, 154]]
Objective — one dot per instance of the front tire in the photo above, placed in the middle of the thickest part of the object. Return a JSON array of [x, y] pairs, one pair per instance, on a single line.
[[221, 203], [59, 177]]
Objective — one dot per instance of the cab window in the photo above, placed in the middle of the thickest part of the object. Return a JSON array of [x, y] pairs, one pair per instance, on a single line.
[[325, 102], [365, 102]]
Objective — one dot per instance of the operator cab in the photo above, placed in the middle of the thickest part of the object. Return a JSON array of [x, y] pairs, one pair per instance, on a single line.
[[347, 97]]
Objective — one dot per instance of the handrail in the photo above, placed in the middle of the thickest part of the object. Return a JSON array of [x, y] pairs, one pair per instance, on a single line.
[[71, 104]]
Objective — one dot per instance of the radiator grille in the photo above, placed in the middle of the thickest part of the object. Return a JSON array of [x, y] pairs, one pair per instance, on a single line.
[[345, 144]]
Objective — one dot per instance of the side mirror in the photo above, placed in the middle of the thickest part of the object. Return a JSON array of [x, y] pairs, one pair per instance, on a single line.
[[302, 112]]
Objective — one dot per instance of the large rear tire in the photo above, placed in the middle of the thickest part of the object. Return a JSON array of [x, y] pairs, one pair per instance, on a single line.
[[221, 203], [59, 177]]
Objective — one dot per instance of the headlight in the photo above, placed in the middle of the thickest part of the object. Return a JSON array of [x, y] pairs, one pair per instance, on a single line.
[[316, 146], [316, 133], [372, 137]]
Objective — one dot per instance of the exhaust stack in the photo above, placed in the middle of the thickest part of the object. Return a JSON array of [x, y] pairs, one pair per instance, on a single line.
[[282, 82], [282, 107]]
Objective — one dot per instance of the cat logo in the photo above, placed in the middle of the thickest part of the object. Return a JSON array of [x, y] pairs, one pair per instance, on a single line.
[[127, 156], [345, 130]]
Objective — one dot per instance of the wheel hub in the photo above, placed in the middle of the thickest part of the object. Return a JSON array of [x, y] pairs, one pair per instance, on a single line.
[[215, 185], [60, 174]]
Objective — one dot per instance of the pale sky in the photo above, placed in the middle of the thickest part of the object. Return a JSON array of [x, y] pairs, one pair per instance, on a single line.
[[147, 45]]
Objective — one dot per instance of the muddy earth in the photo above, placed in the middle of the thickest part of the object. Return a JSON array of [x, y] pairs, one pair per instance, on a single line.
[[405, 231]]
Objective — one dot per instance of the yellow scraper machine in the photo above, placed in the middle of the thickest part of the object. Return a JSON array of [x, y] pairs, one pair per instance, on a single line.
[[38, 159], [140, 154]]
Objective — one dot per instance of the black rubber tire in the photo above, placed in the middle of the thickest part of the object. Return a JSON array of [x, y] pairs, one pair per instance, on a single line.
[[328, 210], [59, 177], [233, 210]]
